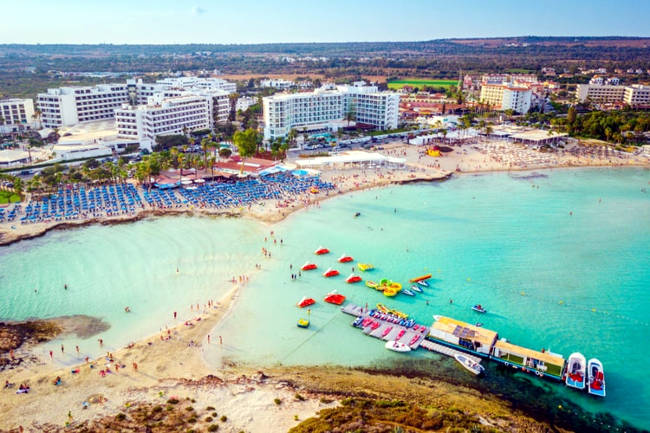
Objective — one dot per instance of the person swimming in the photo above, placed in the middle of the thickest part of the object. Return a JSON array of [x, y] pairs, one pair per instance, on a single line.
[[127, 309]]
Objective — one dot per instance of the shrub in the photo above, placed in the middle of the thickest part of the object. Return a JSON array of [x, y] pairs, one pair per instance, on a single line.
[[213, 427], [326, 400], [157, 409], [299, 397], [189, 408], [209, 408], [172, 401], [120, 417], [277, 401], [208, 419], [223, 418], [214, 414], [192, 420]]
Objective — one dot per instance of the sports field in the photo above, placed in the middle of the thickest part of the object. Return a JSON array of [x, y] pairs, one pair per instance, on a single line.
[[419, 83]]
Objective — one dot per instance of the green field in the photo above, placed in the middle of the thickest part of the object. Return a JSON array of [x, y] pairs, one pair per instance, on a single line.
[[8, 197], [420, 83]]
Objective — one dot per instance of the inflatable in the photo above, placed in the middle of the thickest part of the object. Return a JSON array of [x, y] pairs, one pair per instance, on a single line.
[[305, 302], [353, 279], [330, 273], [321, 251], [371, 284], [334, 298], [309, 266], [345, 259], [365, 267], [303, 323]]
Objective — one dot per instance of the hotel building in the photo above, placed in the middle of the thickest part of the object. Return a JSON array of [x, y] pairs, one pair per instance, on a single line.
[[637, 95], [68, 106], [14, 112], [506, 96], [327, 107], [164, 116]]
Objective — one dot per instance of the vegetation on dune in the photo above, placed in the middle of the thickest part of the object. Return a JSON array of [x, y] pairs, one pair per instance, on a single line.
[[619, 126]]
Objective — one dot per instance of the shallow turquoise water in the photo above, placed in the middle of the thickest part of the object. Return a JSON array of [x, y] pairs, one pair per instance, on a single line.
[[549, 279]]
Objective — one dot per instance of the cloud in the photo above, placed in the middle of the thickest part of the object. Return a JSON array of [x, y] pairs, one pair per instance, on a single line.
[[197, 10]]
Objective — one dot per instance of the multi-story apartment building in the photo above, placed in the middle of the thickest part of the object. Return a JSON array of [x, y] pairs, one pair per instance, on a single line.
[[66, 106], [16, 112], [164, 116], [506, 96], [327, 107]]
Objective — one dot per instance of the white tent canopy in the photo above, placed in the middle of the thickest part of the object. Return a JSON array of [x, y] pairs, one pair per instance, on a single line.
[[350, 158]]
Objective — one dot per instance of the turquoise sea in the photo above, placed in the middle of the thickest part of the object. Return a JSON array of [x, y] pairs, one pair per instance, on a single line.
[[561, 259]]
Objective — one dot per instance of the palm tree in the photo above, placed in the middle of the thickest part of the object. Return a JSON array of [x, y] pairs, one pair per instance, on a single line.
[[37, 117]]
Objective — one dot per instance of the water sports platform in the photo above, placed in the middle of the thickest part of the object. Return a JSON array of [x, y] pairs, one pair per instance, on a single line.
[[383, 327], [389, 331]]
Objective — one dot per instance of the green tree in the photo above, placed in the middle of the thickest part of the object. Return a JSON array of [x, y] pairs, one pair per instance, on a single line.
[[246, 142]]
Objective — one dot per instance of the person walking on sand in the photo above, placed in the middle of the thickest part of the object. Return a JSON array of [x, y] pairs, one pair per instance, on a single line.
[[135, 366], [101, 342], [174, 314], [51, 355], [220, 340], [62, 349], [77, 349]]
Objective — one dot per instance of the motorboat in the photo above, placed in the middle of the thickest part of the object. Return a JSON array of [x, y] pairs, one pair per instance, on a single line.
[[353, 279], [423, 283], [407, 292], [596, 377], [365, 267], [415, 288], [330, 273], [345, 259], [479, 309], [396, 346], [371, 284], [321, 250], [420, 278], [386, 331], [303, 323], [575, 371], [309, 266], [469, 364], [358, 214], [334, 298], [305, 302]]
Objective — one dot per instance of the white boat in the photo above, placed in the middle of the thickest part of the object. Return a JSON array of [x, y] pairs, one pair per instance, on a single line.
[[575, 371], [408, 292], [396, 346], [423, 283], [469, 364], [596, 376], [415, 288]]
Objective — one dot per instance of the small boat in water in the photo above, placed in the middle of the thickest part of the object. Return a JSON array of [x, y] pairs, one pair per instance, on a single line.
[[575, 371], [415, 288], [420, 278], [309, 266], [596, 377], [345, 259], [423, 283], [353, 279], [407, 292], [334, 298], [330, 273], [303, 323], [479, 309], [396, 346], [365, 267], [321, 250], [469, 364], [305, 302]]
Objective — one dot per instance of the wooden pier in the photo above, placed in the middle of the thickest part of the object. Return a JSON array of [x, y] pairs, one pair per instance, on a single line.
[[445, 350]]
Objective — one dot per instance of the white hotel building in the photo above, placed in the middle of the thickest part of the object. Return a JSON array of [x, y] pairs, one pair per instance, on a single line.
[[326, 109], [15, 113], [164, 116], [506, 96], [68, 106]]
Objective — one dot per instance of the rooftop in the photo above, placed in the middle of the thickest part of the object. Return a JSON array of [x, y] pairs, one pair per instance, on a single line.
[[464, 330], [546, 357]]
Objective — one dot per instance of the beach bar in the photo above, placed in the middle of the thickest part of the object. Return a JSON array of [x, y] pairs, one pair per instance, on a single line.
[[543, 363], [461, 335]]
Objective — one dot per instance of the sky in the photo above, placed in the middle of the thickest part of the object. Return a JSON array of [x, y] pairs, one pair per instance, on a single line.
[[265, 21]]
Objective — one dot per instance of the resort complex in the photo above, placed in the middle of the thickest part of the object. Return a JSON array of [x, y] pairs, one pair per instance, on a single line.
[[207, 226], [328, 109]]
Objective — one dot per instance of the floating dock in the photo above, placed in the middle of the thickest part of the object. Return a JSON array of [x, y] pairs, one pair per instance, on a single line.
[[387, 330]]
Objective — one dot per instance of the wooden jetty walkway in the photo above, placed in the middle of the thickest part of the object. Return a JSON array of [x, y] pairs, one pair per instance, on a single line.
[[445, 350]]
